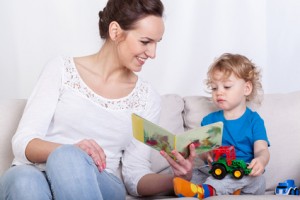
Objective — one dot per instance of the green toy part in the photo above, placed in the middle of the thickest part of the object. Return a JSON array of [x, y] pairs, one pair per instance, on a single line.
[[225, 162]]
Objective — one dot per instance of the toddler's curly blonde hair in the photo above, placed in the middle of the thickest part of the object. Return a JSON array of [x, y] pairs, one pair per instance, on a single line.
[[242, 68]]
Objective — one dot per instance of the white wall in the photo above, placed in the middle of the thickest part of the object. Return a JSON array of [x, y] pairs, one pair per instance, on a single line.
[[197, 31]]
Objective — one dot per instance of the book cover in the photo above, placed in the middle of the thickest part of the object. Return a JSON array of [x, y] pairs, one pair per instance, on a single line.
[[205, 138]]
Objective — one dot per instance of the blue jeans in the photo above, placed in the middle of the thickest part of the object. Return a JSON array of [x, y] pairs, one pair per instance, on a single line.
[[70, 174]]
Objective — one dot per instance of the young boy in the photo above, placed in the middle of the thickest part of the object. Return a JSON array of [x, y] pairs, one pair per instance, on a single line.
[[234, 80]]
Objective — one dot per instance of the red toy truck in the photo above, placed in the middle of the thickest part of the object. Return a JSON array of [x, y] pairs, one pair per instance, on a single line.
[[225, 163]]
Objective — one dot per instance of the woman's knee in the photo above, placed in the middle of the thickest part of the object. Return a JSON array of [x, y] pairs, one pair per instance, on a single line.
[[24, 181], [67, 161], [65, 155], [23, 176]]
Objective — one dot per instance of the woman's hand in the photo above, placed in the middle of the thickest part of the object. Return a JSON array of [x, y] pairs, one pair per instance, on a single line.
[[181, 167], [95, 151]]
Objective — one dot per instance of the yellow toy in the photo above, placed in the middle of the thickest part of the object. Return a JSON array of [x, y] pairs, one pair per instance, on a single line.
[[184, 188]]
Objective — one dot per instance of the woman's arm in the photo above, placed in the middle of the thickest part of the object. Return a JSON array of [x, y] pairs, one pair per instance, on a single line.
[[152, 184], [37, 150], [38, 114]]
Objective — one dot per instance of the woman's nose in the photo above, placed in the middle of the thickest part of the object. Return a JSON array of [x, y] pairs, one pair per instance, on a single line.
[[151, 51]]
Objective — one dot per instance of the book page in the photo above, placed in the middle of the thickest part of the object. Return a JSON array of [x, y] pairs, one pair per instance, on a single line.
[[205, 139], [152, 134]]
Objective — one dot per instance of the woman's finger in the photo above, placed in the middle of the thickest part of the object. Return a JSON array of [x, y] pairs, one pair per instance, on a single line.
[[94, 151], [100, 159]]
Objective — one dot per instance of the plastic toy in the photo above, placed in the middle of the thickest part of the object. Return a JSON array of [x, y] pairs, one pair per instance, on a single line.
[[287, 188], [225, 163], [184, 188]]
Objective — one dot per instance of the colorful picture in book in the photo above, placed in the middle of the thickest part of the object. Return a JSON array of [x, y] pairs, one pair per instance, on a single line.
[[204, 138]]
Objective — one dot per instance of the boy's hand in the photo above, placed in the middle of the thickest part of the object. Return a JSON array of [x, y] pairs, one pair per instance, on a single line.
[[207, 157], [257, 167], [261, 158]]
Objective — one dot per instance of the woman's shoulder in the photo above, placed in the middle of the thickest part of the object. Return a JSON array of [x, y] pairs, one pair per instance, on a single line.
[[59, 62], [146, 88], [60, 59], [54, 66], [149, 100], [146, 95]]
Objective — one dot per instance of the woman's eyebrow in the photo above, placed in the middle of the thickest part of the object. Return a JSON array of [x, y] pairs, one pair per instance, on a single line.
[[150, 39]]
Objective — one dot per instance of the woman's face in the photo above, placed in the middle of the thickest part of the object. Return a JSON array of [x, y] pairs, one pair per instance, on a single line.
[[140, 43]]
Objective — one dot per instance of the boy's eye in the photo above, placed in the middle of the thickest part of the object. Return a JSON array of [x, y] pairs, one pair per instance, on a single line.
[[227, 87], [213, 87]]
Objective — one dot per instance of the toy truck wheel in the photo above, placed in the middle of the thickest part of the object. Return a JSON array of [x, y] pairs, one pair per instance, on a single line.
[[292, 191], [238, 173], [218, 171]]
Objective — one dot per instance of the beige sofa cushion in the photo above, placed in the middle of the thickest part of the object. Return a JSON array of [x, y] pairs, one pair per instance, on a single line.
[[195, 108], [281, 113], [10, 114], [282, 119]]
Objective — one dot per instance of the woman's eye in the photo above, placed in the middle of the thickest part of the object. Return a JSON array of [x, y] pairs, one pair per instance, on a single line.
[[144, 42]]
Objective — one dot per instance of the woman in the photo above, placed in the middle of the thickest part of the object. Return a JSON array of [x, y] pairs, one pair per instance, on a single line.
[[76, 127]]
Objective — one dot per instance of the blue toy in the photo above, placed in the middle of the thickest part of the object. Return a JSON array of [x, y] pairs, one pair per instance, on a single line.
[[287, 188]]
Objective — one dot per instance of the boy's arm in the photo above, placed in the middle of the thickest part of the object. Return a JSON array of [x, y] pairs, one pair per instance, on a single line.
[[261, 158]]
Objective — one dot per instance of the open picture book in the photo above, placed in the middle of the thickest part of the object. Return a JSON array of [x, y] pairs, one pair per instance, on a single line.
[[205, 138]]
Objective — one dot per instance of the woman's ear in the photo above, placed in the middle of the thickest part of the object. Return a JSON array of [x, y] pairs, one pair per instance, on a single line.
[[114, 31]]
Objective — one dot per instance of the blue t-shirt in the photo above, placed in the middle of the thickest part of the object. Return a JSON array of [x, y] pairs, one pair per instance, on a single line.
[[240, 133]]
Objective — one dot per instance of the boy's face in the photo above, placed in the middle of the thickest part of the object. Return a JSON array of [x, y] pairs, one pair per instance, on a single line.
[[229, 93]]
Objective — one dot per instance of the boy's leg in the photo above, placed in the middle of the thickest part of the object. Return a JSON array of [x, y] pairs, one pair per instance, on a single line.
[[24, 182], [184, 188], [200, 174], [254, 185], [228, 185]]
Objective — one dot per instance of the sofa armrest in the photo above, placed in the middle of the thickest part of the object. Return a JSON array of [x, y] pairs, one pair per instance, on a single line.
[[11, 112]]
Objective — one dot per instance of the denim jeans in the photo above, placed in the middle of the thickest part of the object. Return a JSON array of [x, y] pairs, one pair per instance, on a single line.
[[70, 174]]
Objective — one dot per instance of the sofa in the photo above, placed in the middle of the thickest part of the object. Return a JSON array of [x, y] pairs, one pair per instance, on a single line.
[[281, 113]]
